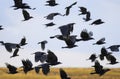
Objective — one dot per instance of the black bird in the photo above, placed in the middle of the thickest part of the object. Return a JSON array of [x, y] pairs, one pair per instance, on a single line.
[[43, 44], [100, 42], [49, 24], [1, 27], [99, 69], [92, 57], [40, 56], [114, 48], [52, 15], [85, 35], [51, 3], [26, 15], [27, 65], [23, 41], [97, 22], [12, 69], [18, 4], [10, 46], [68, 8], [83, 10], [45, 68], [104, 53], [70, 41], [67, 29], [52, 58], [87, 16], [63, 74], [111, 59]]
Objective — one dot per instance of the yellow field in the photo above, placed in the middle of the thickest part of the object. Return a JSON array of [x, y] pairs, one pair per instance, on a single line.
[[74, 73]]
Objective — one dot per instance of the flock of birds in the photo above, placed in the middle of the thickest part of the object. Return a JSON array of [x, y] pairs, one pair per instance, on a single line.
[[50, 59]]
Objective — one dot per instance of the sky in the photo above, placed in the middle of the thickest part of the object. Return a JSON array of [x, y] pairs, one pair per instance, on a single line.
[[35, 31]]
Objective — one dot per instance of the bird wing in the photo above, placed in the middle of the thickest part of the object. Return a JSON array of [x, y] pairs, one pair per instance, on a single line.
[[70, 41], [40, 56], [23, 41], [84, 34], [45, 69], [102, 39], [88, 15], [65, 30], [15, 52], [83, 9], [67, 11], [11, 68], [73, 4], [8, 48], [26, 15], [63, 74], [17, 3], [51, 57]]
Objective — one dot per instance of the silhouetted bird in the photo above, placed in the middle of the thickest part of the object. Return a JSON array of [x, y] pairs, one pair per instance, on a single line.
[[45, 68], [10, 46], [19, 4], [70, 41], [63, 74], [67, 29], [52, 58], [99, 42], [92, 57], [43, 44], [49, 24], [12, 69], [52, 15], [27, 65], [87, 16], [104, 53], [97, 22], [23, 41], [114, 48], [85, 35], [99, 69], [111, 59], [51, 3], [1, 27], [26, 15], [83, 10], [68, 8], [40, 56]]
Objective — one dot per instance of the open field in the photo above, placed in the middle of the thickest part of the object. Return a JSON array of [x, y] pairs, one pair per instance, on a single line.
[[74, 73]]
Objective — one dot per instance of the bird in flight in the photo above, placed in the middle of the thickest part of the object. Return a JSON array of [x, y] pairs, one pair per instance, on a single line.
[[43, 44], [12, 69], [85, 35], [51, 3], [97, 22], [100, 42], [50, 24], [114, 48]]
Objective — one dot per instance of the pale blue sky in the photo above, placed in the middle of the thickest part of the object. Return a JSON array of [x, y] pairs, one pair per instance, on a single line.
[[34, 30]]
